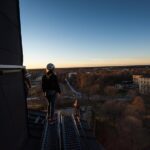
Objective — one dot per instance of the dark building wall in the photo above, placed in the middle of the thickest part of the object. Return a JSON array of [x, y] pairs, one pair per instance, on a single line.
[[13, 117], [10, 37], [13, 125]]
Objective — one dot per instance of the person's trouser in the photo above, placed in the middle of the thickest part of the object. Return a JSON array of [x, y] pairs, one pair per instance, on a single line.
[[51, 104]]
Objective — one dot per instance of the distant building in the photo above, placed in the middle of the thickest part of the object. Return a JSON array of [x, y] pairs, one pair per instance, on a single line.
[[71, 73], [119, 86], [125, 69], [125, 85], [136, 79], [88, 72], [143, 83]]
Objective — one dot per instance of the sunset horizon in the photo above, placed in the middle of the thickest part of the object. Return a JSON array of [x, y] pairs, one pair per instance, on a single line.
[[95, 33]]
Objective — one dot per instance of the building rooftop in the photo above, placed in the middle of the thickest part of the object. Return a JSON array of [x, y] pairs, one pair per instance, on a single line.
[[143, 75]]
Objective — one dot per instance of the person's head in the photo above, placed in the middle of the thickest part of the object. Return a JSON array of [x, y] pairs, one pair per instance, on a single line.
[[50, 68]]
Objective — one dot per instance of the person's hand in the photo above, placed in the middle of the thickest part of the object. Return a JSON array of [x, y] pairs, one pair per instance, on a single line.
[[58, 99], [44, 93], [59, 95]]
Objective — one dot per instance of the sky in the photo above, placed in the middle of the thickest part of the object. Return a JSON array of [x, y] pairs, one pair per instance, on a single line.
[[85, 33]]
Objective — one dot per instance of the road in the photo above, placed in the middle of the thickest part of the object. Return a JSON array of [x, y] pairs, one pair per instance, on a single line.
[[77, 94]]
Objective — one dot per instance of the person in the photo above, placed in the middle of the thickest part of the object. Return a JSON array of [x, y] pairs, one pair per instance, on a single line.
[[76, 106], [27, 82], [51, 89]]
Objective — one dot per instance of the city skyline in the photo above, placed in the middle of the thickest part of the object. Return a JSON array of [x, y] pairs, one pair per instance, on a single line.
[[85, 33]]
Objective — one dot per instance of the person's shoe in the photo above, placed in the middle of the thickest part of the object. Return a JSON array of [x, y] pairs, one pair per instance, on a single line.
[[51, 121], [54, 118], [48, 118]]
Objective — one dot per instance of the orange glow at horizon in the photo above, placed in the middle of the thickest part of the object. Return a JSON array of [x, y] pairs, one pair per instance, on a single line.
[[90, 63]]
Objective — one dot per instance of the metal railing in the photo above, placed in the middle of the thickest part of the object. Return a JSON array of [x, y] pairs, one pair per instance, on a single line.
[[6, 69]]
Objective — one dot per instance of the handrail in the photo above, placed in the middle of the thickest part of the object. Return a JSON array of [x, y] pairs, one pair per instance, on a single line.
[[44, 136]]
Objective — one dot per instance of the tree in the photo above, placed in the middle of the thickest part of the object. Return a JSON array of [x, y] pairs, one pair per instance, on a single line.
[[110, 90]]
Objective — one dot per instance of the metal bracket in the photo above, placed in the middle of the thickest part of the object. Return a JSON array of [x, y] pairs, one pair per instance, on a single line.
[[6, 69]]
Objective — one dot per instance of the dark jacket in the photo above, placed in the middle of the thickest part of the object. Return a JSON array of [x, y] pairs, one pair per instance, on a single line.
[[50, 83]]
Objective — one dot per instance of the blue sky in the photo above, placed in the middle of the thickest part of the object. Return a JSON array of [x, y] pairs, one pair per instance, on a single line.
[[73, 33]]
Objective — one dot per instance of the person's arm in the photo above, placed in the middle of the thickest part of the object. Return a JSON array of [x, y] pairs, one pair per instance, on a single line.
[[57, 86], [28, 82], [43, 84], [27, 77]]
